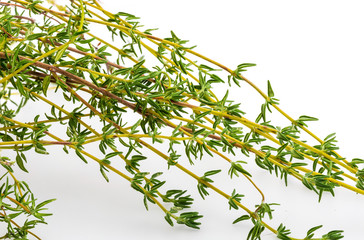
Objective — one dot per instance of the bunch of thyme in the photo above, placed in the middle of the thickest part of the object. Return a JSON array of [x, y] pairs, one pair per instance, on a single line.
[[146, 92]]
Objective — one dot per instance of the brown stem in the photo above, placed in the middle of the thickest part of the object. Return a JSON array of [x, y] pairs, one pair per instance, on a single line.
[[26, 18], [77, 79]]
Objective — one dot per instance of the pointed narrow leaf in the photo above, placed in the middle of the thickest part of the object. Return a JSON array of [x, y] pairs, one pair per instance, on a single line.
[[60, 53], [242, 218], [270, 90]]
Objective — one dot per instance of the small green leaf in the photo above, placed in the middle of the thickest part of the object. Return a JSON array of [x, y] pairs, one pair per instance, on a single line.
[[311, 231], [20, 87], [42, 204], [333, 235], [330, 137], [168, 219], [113, 154], [36, 36], [82, 48], [13, 215], [356, 161], [236, 167], [55, 28], [102, 170], [270, 90], [212, 172], [20, 163], [307, 118], [297, 154], [46, 82], [201, 115], [138, 158], [81, 156], [242, 218], [60, 53]]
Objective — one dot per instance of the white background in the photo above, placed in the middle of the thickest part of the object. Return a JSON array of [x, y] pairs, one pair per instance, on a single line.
[[311, 51]]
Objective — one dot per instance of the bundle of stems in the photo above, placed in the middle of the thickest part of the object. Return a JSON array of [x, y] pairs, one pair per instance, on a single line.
[[131, 92]]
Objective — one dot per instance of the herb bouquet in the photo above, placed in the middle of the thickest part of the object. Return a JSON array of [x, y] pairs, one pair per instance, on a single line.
[[138, 97]]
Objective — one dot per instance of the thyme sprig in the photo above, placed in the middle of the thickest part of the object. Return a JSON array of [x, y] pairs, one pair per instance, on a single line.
[[145, 92]]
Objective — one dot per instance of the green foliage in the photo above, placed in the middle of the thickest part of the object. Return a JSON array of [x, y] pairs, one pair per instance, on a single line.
[[17, 201], [120, 109], [236, 76], [236, 168], [333, 235], [257, 230], [242, 218], [234, 199], [283, 232], [201, 186], [189, 219]]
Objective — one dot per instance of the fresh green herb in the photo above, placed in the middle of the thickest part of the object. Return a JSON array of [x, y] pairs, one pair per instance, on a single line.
[[141, 105]]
